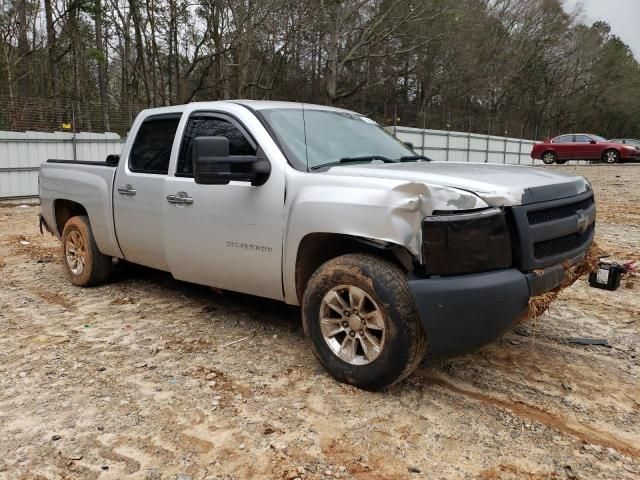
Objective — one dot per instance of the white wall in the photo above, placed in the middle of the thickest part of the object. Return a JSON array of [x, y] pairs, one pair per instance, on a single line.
[[467, 147], [21, 154]]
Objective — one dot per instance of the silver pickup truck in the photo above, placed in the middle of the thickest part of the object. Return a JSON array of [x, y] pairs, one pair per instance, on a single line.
[[389, 255]]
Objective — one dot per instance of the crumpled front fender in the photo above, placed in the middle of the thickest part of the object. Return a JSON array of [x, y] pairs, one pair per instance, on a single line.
[[389, 211]]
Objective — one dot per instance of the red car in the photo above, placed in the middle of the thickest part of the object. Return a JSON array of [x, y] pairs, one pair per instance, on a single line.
[[582, 146]]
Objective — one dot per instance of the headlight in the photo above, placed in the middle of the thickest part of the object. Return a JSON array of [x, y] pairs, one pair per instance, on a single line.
[[467, 242]]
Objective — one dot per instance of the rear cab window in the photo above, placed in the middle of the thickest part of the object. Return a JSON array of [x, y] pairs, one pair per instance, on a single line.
[[151, 150]]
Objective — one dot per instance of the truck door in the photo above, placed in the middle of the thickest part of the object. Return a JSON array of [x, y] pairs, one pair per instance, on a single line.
[[225, 236], [138, 191]]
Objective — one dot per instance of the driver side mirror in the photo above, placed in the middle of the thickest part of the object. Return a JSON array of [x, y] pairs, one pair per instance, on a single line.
[[212, 164], [592, 141]]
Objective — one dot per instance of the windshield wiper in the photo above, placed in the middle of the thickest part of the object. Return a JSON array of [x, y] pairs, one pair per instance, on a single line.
[[366, 158], [413, 158]]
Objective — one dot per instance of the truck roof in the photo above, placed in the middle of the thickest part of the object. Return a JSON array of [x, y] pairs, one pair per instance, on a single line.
[[252, 104], [265, 104]]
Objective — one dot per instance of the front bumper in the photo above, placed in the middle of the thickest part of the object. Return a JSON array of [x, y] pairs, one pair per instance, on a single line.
[[463, 312]]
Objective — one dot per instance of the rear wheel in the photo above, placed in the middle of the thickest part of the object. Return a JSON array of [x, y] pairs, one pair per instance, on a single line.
[[360, 317], [83, 262], [549, 158], [611, 156]]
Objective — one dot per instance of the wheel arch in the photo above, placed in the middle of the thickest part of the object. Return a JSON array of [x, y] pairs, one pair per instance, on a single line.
[[317, 248], [63, 210]]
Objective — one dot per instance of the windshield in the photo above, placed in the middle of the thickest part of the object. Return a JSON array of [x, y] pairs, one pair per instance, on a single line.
[[599, 138], [313, 137]]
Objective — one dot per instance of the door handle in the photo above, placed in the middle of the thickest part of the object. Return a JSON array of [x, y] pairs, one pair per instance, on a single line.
[[180, 198], [127, 190]]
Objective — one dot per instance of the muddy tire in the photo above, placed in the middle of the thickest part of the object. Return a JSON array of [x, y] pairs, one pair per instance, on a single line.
[[83, 262], [362, 322], [549, 158]]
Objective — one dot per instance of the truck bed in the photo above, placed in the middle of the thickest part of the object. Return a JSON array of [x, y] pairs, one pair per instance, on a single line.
[[86, 183]]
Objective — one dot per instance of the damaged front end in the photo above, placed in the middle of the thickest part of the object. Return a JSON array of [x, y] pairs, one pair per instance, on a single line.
[[484, 270]]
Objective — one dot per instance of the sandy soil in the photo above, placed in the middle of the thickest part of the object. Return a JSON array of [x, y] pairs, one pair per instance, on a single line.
[[137, 380]]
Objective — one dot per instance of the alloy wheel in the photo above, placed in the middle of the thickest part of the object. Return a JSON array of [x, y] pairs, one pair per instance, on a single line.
[[75, 252], [352, 325]]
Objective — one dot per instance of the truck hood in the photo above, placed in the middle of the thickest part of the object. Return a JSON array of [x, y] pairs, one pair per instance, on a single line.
[[498, 185]]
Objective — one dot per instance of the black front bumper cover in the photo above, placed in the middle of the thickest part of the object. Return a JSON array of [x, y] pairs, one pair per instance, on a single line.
[[463, 312]]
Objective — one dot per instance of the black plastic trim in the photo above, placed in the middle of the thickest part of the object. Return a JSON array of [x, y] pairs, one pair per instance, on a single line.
[[528, 234], [554, 191], [82, 162], [549, 278], [464, 312]]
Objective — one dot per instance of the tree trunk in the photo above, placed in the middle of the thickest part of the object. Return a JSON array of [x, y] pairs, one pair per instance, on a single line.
[[23, 65], [102, 67], [140, 50], [51, 47], [332, 64]]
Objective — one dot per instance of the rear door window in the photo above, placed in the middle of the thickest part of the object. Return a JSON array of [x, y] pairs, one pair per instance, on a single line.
[[563, 139], [208, 125], [151, 149]]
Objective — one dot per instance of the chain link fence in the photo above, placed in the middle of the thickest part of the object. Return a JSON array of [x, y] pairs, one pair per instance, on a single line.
[[63, 114], [21, 114]]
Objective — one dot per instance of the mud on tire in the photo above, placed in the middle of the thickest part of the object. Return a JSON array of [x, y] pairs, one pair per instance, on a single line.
[[402, 344], [83, 262]]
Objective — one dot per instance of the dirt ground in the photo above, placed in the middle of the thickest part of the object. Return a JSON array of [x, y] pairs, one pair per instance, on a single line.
[[140, 379]]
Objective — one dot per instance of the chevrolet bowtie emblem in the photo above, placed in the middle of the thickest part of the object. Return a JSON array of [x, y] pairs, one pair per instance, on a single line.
[[583, 221]]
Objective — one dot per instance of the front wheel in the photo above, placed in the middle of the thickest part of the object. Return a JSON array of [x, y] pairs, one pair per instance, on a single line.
[[360, 317], [84, 263], [611, 156]]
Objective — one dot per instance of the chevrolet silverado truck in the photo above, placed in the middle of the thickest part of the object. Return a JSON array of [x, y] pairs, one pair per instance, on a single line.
[[388, 254]]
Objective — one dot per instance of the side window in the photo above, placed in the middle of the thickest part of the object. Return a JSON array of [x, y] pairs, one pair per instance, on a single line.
[[583, 138], [563, 139], [208, 126], [152, 147]]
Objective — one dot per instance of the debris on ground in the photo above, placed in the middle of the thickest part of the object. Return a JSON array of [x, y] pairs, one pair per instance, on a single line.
[[502, 412], [540, 303], [589, 341]]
